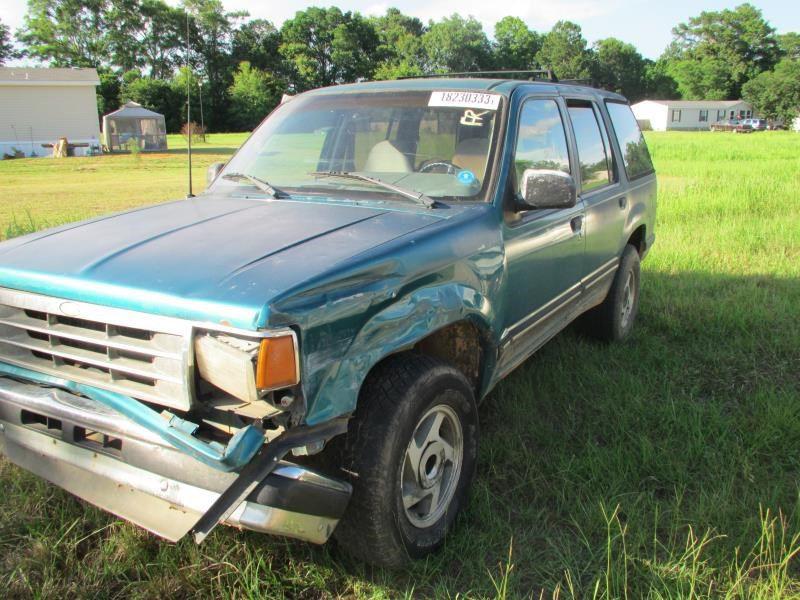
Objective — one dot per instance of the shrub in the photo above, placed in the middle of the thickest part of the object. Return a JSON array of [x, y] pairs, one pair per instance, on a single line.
[[198, 132]]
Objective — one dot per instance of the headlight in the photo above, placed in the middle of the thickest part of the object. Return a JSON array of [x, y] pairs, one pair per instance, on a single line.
[[247, 367]]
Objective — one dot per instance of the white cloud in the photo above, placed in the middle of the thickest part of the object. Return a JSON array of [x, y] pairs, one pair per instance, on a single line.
[[376, 9]]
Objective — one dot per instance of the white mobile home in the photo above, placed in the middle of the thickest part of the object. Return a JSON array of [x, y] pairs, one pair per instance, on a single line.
[[39, 106], [663, 115]]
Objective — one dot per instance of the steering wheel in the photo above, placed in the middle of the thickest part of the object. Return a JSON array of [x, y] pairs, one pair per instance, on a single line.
[[429, 165]]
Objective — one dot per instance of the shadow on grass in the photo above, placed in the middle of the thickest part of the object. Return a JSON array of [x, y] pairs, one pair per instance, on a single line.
[[685, 426], [635, 467]]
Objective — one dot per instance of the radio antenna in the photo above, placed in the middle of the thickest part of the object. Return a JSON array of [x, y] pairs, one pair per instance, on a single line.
[[189, 105]]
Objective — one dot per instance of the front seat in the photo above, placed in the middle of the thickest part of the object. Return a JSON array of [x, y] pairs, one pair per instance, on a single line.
[[471, 154], [384, 157]]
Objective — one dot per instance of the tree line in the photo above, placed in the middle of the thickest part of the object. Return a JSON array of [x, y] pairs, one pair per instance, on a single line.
[[240, 67]]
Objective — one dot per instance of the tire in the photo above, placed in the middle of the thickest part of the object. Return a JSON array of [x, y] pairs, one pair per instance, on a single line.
[[613, 320], [403, 396]]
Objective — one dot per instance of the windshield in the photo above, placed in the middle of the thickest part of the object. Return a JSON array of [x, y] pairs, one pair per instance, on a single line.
[[436, 144]]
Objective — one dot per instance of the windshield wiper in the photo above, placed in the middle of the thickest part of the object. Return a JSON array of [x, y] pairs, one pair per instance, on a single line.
[[259, 183], [416, 196]]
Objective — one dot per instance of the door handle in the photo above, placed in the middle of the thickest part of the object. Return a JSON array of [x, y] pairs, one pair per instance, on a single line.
[[577, 224], [623, 202]]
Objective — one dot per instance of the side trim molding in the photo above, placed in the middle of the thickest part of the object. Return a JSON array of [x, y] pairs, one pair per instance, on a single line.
[[529, 334]]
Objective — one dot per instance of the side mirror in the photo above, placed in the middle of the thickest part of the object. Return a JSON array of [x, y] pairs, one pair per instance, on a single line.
[[213, 172], [545, 188]]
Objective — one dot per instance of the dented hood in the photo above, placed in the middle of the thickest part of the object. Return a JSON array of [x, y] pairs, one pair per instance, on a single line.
[[216, 259]]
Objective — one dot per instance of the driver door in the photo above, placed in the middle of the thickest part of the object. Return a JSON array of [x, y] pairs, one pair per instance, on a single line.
[[544, 248]]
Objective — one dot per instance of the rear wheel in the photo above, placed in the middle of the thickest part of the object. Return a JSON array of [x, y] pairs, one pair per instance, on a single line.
[[410, 454], [613, 320]]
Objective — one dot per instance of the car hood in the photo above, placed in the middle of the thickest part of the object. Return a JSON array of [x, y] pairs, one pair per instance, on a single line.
[[214, 259]]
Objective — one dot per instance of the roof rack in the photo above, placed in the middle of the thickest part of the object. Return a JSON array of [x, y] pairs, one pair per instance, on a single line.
[[530, 75], [587, 81]]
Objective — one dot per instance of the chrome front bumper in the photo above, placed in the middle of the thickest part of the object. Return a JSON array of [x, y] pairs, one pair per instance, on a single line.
[[106, 459]]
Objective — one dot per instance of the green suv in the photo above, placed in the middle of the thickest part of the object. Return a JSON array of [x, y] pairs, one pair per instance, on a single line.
[[300, 350]]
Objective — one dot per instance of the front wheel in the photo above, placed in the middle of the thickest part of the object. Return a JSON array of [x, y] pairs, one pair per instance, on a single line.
[[410, 454]]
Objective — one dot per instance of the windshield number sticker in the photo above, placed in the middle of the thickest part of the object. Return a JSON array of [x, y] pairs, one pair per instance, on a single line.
[[465, 100]]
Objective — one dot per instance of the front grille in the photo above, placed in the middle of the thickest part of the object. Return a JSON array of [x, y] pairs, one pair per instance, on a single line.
[[139, 355]]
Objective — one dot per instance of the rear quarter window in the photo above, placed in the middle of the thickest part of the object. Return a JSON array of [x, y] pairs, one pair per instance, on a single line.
[[635, 155]]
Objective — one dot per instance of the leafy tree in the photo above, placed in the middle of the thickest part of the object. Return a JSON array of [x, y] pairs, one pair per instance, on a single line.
[[658, 82], [789, 44], [241, 67], [355, 45], [324, 46], [108, 91], [185, 79], [211, 32], [396, 70], [400, 50], [456, 44], [254, 93], [257, 42], [6, 49], [715, 53], [564, 51], [708, 79], [515, 46], [619, 67], [67, 33], [776, 94], [307, 44], [147, 34]]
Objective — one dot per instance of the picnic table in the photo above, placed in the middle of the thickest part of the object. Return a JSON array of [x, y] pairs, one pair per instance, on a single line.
[[63, 148]]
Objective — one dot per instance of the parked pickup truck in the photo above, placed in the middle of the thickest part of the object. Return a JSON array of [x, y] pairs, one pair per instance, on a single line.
[[734, 125], [300, 349]]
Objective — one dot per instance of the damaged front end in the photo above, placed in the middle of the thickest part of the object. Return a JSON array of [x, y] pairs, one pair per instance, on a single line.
[[82, 395]]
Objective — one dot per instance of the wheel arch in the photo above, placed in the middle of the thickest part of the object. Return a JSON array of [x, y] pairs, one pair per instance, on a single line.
[[450, 322], [638, 238]]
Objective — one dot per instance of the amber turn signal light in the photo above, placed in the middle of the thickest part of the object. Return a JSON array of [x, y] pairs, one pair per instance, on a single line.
[[277, 363]]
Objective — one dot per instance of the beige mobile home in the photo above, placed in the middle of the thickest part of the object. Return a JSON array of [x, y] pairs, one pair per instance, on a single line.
[[39, 106], [663, 115]]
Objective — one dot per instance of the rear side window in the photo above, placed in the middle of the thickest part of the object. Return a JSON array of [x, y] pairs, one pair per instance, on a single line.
[[541, 140], [635, 154], [595, 166]]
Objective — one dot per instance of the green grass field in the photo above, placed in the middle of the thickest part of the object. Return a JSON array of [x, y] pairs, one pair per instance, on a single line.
[[49, 192], [667, 467]]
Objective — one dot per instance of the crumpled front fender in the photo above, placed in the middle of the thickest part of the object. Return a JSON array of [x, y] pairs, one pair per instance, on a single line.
[[386, 300], [397, 327]]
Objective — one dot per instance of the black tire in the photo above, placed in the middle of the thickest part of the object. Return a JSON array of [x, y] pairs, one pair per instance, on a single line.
[[609, 321], [396, 395]]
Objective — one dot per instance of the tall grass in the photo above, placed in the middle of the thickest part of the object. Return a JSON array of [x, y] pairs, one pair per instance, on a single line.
[[19, 226], [666, 467], [685, 567]]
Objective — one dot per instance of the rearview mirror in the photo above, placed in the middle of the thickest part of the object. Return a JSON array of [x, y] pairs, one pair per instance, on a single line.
[[545, 188], [213, 171]]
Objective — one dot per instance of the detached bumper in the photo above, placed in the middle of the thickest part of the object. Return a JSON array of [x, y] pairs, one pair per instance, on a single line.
[[100, 456]]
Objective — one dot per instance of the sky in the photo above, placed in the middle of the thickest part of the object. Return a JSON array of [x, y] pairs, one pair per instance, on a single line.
[[646, 25]]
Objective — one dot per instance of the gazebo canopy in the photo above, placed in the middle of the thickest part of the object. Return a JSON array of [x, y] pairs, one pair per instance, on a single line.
[[133, 123], [133, 110]]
